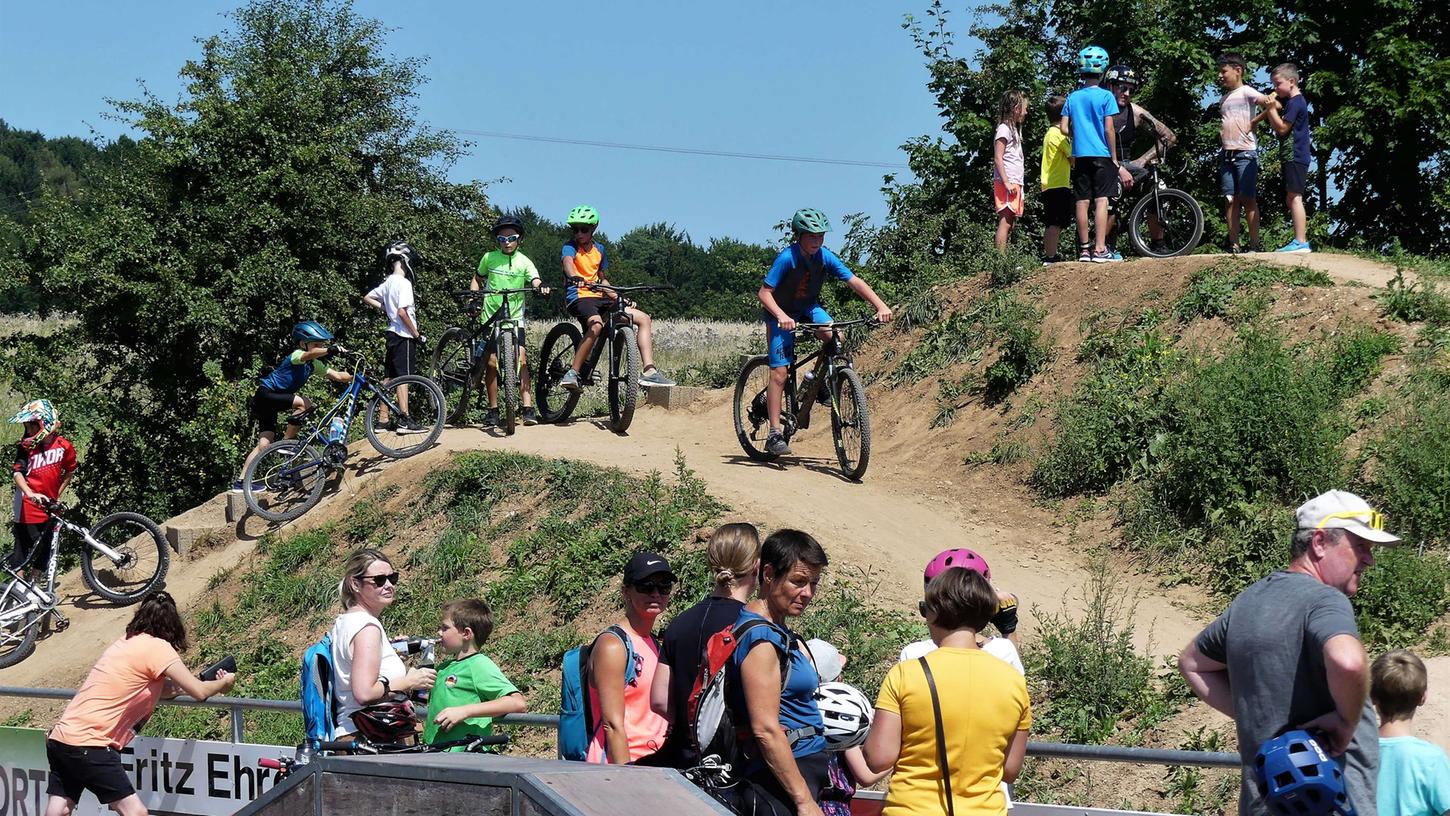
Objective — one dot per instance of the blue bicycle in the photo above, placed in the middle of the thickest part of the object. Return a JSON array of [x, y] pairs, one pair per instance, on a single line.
[[287, 477]]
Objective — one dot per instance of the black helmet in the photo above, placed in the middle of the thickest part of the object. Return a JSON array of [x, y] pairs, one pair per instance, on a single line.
[[508, 221], [401, 249], [386, 722], [1122, 75]]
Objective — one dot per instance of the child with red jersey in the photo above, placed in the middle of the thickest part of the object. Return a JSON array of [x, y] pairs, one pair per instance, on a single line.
[[44, 463]]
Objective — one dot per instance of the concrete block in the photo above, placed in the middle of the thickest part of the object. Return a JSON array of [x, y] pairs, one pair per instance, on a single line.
[[236, 507], [182, 539], [671, 398]]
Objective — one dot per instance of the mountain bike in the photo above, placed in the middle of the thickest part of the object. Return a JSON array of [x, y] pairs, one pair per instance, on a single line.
[[124, 558], [830, 379], [459, 360], [285, 480], [285, 765], [1176, 212], [555, 402]]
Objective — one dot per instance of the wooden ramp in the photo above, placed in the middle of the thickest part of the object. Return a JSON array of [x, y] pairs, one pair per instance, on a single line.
[[405, 785]]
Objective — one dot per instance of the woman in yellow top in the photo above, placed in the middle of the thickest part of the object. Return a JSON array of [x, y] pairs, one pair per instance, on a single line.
[[984, 712]]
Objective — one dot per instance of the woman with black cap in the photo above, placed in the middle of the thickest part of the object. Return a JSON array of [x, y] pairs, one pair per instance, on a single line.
[[622, 665]]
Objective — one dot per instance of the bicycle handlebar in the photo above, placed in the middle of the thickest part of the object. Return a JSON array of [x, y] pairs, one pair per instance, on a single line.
[[841, 324], [609, 287], [478, 293]]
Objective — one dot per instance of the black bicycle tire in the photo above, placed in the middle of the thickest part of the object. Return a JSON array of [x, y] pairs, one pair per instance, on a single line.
[[508, 381], [314, 493], [26, 644], [448, 381], [623, 386], [157, 579], [741, 405], [848, 379], [434, 422], [556, 408], [1140, 210]]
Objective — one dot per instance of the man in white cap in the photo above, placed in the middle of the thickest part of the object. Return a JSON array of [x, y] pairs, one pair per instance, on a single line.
[[1286, 654]]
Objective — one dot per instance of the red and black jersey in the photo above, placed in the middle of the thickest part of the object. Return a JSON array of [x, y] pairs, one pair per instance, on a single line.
[[44, 469]]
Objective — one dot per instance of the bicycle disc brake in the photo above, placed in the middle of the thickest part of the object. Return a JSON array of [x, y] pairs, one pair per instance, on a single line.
[[335, 454]]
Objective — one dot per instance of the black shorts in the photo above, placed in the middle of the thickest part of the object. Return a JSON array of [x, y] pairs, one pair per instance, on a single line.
[[1059, 207], [74, 769], [27, 538], [1094, 177], [402, 357], [1296, 177], [266, 405], [491, 347], [585, 308]]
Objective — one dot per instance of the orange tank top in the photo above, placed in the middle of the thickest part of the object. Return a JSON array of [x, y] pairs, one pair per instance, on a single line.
[[644, 728]]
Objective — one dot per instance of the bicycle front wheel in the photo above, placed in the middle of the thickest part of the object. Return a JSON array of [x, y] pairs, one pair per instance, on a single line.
[[285, 480], [556, 402], [508, 380], [143, 563], [850, 424], [623, 378], [455, 372], [18, 626], [407, 432], [752, 427], [1176, 214]]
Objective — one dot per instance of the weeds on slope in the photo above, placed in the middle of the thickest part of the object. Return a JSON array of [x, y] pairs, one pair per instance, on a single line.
[[1236, 290]]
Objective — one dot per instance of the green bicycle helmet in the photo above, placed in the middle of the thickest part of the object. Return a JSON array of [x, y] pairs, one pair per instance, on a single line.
[[809, 219], [1092, 60], [584, 214]]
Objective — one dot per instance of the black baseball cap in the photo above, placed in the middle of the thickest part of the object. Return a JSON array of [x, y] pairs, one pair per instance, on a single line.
[[645, 564]]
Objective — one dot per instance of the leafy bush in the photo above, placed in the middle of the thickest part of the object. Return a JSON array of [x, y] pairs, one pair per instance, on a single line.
[[1015, 326], [1413, 302], [1215, 291], [1401, 595], [1412, 468]]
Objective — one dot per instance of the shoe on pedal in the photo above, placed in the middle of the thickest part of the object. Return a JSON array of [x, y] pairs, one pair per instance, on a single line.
[[1158, 247], [531, 417], [775, 445], [490, 419], [653, 376], [570, 381]]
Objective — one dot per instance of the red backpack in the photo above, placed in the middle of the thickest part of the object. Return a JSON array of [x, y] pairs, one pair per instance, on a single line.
[[714, 733]]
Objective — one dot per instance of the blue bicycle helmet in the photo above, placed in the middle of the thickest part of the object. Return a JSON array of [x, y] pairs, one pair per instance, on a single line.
[[1092, 60], [309, 331], [1296, 778]]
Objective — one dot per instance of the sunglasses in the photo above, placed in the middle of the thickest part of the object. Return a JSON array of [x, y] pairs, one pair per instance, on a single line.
[[584, 230], [379, 580], [1374, 520], [508, 239], [650, 587]]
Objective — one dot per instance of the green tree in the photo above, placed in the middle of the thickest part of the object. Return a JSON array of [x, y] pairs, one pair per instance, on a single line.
[[260, 198]]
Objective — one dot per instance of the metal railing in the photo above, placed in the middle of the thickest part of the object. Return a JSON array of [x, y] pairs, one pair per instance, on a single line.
[[1061, 750]]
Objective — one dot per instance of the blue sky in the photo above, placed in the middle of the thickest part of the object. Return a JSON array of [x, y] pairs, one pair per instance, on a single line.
[[836, 80]]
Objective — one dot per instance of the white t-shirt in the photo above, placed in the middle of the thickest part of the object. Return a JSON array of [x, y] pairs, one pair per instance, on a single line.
[[1236, 114], [347, 626], [396, 293], [998, 647], [1013, 160]]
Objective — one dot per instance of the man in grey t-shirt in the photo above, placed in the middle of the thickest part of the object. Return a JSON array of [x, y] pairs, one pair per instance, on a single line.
[[1286, 654]]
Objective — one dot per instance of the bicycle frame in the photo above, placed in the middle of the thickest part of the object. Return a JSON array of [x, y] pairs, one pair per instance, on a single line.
[[48, 598], [346, 407], [825, 368]]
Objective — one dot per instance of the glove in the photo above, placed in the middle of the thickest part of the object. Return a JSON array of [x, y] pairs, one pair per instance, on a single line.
[[1005, 618], [332, 351]]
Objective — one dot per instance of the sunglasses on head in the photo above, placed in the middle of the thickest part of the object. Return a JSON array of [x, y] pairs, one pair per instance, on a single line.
[[647, 587], [508, 239], [379, 580]]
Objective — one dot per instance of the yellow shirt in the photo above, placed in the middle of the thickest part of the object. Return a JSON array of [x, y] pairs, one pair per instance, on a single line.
[[1056, 148], [984, 703]]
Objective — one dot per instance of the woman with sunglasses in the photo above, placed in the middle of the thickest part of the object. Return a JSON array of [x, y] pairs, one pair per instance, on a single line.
[[628, 731], [364, 666], [507, 268]]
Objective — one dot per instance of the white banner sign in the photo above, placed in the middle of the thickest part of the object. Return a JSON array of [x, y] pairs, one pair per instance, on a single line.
[[171, 776]]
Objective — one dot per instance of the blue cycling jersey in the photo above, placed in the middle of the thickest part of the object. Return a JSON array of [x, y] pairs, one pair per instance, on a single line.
[[291, 373], [797, 278]]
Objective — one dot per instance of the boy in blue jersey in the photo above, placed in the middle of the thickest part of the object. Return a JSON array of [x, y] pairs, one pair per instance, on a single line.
[[277, 389], [1414, 775], [1290, 117], [1088, 118], [791, 293]]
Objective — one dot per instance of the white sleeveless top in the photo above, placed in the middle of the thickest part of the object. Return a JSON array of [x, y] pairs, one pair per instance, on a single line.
[[347, 626]]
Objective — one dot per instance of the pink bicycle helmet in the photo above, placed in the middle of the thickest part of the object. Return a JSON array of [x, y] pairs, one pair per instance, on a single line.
[[959, 557]]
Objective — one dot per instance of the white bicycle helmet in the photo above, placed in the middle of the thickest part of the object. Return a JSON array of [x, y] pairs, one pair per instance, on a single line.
[[846, 713]]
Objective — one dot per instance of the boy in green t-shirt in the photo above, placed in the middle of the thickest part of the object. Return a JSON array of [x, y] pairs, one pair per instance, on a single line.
[[507, 268], [470, 691]]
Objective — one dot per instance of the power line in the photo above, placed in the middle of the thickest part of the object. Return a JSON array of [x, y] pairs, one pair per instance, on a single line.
[[692, 151]]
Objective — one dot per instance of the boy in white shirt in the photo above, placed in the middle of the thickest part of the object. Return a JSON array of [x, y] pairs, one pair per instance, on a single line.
[[394, 298]]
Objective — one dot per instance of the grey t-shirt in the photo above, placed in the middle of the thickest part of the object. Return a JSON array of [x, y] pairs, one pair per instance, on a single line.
[[1272, 637]]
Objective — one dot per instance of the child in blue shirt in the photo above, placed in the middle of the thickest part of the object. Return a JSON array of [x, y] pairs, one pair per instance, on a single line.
[[1414, 776], [1088, 119], [1291, 116]]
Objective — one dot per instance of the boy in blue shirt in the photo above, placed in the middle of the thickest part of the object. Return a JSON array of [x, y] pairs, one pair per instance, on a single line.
[[1088, 118], [1293, 119], [1414, 776], [791, 293]]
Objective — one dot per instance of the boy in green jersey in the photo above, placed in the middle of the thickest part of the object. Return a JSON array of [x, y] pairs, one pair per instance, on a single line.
[[470, 690], [507, 268]]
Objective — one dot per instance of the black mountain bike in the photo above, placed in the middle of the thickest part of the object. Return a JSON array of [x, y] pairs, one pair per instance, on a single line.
[[459, 360], [555, 402], [830, 379], [1176, 212]]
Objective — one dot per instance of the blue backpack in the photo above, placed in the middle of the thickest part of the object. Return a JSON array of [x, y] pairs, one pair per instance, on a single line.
[[577, 721], [319, 703]]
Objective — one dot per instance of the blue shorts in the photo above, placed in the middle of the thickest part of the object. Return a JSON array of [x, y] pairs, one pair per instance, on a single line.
[[1238, 173], [781, 344]]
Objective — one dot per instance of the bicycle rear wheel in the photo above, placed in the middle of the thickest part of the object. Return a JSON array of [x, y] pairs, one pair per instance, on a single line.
[[623, 378], [406, 433], [18, 628], [291, 476], [1179, 216], [850, 424], [508, 380], [752, 427], [556, 357], [454, 370], [144, 558]]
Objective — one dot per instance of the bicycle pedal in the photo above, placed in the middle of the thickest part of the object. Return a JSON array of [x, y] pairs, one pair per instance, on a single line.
[[60, 622]]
